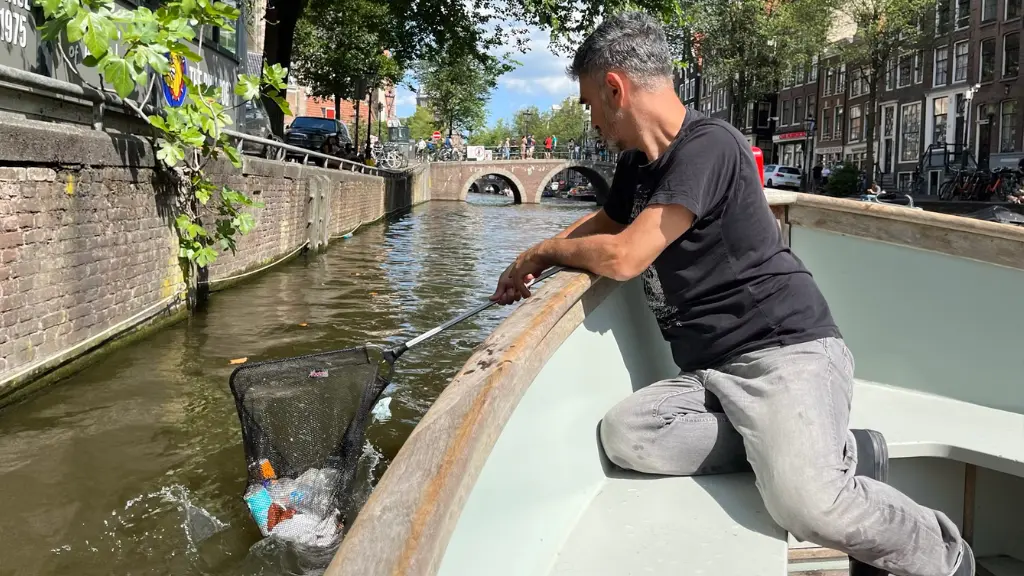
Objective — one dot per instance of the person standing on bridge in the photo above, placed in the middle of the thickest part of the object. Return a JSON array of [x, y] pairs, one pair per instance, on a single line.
[[765, 380], [522, 148]]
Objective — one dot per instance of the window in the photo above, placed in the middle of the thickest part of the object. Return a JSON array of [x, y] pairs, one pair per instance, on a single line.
[[940, 116], [890, 75], [960, 62], [798, 75], [918, 67], [811, 112], [764, 111], [1012, 9], [1011, 55], [987, 66], [856, 125], [798, 111], [905, 70], [787, 113], [1008, 126], [988, 10], [837, 127], [830, 81], [226, 40], [942, 16], [814, 68], [910, 132], [855, 85], [841, 86], [941, 66], [963, 13], [787, 80], [826, 123], [748, 118]]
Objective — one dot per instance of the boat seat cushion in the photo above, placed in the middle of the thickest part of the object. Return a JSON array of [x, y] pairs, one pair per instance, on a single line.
[[917, 424]]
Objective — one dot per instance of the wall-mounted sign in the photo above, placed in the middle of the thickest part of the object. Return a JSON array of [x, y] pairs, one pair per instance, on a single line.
[[789, 136], [175, 89]]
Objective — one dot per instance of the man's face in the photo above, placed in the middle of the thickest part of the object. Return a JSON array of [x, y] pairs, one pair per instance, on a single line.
[[604, 96]]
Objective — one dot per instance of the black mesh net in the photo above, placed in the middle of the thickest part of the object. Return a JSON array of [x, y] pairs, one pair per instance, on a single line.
[[303, 427]]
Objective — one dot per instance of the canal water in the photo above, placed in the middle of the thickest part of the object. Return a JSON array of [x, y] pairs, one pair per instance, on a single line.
[[135, 465]]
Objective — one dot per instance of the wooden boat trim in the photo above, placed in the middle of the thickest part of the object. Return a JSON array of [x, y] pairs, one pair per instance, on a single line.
[[954, 235], [408, 520]]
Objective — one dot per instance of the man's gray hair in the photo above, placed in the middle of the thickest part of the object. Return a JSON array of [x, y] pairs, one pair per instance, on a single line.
[[632, 42]]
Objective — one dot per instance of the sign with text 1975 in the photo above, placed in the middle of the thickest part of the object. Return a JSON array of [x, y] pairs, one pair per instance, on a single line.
[[15, 21]]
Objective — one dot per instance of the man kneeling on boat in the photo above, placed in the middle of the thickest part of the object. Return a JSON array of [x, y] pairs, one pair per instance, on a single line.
[[766, 380]]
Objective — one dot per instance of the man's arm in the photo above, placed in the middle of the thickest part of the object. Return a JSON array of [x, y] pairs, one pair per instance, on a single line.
[[622, 255], [597, 222]]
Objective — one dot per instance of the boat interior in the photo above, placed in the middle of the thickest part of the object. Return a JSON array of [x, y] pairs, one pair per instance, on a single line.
[[505, 474]]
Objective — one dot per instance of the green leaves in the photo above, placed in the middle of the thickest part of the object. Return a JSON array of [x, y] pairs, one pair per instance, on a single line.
[[188, 136], [99, 33], [170, 153], [248, 87], [119, 73]]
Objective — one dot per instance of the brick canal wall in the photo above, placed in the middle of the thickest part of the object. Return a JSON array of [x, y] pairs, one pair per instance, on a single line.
[[87, 246]]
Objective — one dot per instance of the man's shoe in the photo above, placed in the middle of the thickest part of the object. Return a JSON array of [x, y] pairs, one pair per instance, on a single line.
[[872, 455], [966, 567], [873, 462]]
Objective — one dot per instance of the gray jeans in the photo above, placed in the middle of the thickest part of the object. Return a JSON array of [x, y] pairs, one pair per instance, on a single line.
[[784, 412]]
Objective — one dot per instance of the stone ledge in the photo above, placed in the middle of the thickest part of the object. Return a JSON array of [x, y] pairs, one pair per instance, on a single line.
[[36, 142]]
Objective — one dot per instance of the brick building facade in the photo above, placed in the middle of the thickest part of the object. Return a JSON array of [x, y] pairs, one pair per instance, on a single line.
[[964, 90]]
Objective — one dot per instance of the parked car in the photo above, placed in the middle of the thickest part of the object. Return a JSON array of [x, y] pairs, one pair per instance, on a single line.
[[311, 132], [256, 122], [776, 176]]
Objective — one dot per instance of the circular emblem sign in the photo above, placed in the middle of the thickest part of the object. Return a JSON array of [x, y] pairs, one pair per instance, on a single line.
[[175, 89]]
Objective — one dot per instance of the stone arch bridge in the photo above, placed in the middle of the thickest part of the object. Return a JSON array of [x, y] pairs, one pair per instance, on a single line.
[[527, 178]]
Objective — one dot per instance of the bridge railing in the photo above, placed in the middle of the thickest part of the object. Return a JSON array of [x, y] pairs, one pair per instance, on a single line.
[[514, 153]]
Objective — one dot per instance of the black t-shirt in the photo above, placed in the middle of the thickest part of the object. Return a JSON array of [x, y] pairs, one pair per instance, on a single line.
[[729, 285]]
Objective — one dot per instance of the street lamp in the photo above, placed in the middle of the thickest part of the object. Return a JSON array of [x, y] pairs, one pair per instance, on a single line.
[[809, 125], [968, 96]]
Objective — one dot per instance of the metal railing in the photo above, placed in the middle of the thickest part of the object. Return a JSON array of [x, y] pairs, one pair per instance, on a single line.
[[100, 101], [514, 155]]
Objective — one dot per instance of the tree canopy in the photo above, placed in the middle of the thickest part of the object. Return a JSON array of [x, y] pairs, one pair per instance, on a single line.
[[567, 121], [421, 124], [884, 33], [344, 44], [470, 29], [458, 89], [751, 44]]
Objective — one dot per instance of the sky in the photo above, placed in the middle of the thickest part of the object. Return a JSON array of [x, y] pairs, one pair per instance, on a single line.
[[539, 81]]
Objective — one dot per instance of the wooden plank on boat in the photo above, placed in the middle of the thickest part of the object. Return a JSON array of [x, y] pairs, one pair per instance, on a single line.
[[405, 525], [955, 235], [996, 249]]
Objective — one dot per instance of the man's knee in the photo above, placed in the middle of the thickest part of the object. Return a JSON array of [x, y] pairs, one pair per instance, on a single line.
[[620, 437], [805, 505]]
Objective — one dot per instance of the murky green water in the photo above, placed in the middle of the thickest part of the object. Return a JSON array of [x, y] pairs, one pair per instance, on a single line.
[[99, 472]]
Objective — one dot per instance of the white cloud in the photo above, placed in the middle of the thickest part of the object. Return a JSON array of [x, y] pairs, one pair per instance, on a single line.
[[553, 85], [541, 72]]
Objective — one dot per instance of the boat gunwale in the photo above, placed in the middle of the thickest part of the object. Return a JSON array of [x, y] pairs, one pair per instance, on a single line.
[[406, 523], [405, 526], [896, 212]]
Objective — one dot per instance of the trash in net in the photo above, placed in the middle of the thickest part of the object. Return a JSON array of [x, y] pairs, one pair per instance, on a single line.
[[303, 428]]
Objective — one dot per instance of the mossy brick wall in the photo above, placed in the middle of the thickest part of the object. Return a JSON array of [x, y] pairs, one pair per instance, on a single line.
[[87, 241]]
